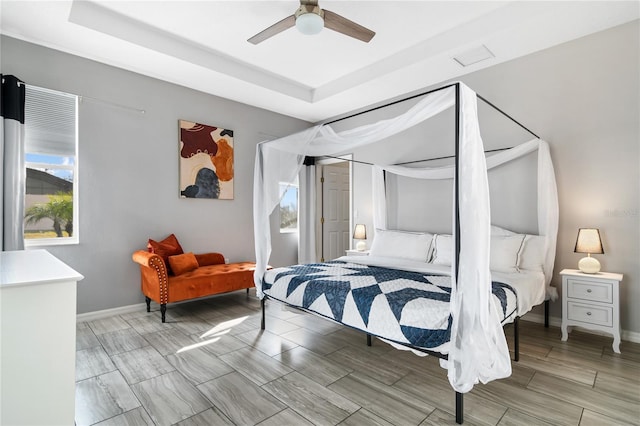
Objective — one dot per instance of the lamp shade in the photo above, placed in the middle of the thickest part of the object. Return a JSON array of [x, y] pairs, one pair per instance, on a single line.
[[588, 241], [360, 232]]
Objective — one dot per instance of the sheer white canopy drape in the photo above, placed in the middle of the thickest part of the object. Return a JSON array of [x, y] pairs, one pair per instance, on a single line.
[[478, 347], [280, 160], [547, 191], [307, 215]]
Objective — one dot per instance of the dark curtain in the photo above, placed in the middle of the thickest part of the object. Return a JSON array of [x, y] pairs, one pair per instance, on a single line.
[[13, 176]]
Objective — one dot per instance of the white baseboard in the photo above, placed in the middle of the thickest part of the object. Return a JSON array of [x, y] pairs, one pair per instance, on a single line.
[[630, 336], [96, 315], [539, 318]]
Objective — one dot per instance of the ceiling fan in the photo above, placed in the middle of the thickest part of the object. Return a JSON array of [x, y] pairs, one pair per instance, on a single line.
[[310, 19]]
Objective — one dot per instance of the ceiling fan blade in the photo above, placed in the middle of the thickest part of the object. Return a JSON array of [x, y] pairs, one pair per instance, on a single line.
[[338, 23], [276, 28]]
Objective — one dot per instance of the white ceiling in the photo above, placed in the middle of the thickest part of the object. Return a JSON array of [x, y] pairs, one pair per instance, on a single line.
[[202, 44]]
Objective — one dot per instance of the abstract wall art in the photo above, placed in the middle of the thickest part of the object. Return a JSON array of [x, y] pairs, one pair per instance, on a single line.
[[206, 161]]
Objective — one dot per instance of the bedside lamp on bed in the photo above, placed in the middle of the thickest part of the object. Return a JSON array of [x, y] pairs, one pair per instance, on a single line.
[[360, 233], [589, 242]]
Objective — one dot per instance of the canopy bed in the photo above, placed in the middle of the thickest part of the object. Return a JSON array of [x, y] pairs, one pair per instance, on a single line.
[[445, 296]]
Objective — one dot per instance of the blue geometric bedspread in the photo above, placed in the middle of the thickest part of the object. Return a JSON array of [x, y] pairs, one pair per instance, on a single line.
[[400, 306]]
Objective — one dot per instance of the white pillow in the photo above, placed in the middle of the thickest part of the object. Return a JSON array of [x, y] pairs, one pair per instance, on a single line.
[[532, 253], [497, 231], [405, 245], [504, 252], [443, 246]]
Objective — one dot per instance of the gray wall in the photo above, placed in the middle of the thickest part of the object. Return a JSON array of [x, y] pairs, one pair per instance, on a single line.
[[128, 170], [583, 98]]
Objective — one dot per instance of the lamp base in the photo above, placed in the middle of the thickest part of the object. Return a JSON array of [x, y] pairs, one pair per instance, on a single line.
[[361, 246], [589, 265]]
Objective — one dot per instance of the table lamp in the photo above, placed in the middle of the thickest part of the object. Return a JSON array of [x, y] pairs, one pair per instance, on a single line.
[[589, 242], [360, 233]]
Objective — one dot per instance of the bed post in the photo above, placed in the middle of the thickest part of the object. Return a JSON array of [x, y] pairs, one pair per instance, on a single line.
[[546, 313], [459, 403], [516, 339], [262, 305], [457, 183], [459, 408]]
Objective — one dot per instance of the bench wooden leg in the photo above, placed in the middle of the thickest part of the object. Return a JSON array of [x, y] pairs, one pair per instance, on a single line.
[[146, 299], [163, 311]]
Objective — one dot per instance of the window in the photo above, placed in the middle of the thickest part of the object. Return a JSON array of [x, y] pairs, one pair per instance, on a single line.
[[51, 199], [289, 207]]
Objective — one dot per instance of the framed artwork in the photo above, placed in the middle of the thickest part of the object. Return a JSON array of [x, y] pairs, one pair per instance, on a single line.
[[206, 161]]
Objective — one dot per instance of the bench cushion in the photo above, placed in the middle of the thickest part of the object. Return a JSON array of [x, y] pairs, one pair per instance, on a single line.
[[211, 279]]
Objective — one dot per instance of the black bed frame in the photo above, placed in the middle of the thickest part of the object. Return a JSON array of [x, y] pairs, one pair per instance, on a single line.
[[459, 396]]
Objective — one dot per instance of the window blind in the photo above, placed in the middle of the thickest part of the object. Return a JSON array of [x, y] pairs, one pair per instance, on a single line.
[[50, 122]]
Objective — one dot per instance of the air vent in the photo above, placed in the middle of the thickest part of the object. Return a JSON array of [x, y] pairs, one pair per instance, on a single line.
[[473, 56]]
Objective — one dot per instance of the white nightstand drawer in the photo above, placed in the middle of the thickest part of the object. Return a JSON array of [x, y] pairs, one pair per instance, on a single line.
[[590, 314], [589, 290]]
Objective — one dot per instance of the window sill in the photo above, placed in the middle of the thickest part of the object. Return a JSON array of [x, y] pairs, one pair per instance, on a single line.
[[289, 231], [50, 242]]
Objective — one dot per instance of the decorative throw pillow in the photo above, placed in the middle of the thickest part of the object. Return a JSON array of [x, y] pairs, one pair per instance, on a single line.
[[182, 263], [414, 246], [207, 259], [165, 248]]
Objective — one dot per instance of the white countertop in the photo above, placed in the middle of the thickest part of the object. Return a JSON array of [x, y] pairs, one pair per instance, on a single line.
[[28, 267]]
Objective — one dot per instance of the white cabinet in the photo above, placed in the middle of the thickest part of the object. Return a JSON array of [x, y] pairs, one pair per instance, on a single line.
[[37, 339], [591, 301]]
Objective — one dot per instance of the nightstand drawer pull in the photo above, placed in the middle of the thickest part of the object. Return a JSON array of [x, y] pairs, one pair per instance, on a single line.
[[590, 314], [589, 290]]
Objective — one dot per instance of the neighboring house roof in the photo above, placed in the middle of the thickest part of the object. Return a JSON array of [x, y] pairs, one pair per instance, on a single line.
[[39, 182]]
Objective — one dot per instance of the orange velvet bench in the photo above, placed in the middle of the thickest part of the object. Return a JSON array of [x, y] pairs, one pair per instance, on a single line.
[[213, 278]]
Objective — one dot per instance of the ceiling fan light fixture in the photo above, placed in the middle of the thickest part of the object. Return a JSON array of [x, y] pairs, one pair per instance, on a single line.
[[309, 23]]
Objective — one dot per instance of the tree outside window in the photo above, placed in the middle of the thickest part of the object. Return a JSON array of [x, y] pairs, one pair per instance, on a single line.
[[289, 207]]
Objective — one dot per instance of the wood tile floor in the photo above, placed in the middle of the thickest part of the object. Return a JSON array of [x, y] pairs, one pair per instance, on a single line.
[[210, 364]]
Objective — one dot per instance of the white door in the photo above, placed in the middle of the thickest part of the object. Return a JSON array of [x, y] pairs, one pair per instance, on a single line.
[[335, 210]]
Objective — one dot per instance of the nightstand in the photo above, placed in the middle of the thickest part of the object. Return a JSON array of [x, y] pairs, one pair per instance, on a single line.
[[591, 301], [357, 252]]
